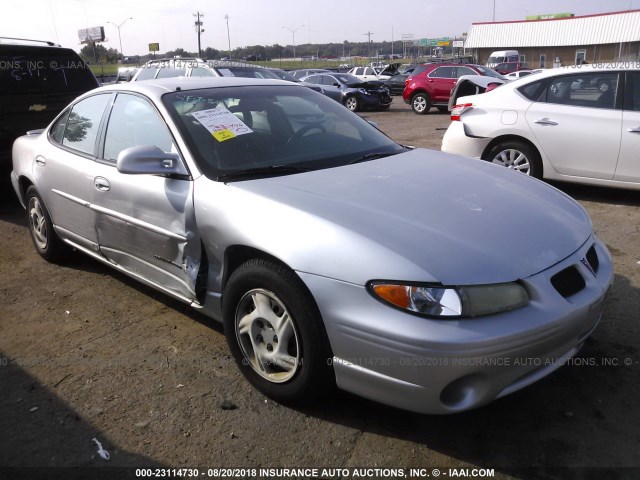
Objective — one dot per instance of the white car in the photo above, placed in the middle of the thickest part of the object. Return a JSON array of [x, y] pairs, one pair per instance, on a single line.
[[367, 74], [519, 74], [559, 124]]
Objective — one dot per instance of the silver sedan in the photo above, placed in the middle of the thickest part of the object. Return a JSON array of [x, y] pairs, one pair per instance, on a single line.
[[332, 255]]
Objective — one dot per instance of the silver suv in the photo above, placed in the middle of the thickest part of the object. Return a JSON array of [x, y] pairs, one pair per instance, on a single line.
[[196, 67]]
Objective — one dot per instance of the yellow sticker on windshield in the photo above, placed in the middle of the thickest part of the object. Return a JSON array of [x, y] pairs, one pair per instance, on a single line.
[[222, 135]]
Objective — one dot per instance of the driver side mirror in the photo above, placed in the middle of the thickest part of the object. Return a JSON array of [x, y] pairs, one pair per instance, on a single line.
[[149, 160], [336, 84]]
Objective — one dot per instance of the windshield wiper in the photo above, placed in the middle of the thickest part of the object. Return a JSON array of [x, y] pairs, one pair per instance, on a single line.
[[371, 156], [263, 172]]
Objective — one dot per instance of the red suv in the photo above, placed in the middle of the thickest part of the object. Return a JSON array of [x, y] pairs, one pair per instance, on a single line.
[[432, 86]]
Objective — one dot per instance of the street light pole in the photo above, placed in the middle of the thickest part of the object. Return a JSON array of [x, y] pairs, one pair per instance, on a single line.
[[293, 35], [119, 36], [226, 17]]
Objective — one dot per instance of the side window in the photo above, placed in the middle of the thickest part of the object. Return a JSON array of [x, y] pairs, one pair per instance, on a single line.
[[464, 71], [633, 92], [57, 131], [134, 122], [201, 72], [83, 123], [594, 90], [532, 91], [328, 80], [147, 73], [314, 79], [442, 72]]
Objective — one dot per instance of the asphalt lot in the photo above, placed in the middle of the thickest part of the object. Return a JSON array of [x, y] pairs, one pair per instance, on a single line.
[[87, 353]]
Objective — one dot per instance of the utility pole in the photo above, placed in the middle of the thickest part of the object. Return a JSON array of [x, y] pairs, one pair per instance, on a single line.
[[226, 17], [368, 34], [199, 30]]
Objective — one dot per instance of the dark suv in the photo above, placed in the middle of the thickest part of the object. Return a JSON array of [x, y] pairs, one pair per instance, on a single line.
[[432, 86], [37, 80]]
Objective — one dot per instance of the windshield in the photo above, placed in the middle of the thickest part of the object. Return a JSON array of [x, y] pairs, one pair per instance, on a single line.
[[488, 71], [43, 70], [347, 78], [231, 129]]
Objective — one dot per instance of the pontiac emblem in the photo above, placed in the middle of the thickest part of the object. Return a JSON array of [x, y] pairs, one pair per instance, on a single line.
[[37, 107], [588, 265]]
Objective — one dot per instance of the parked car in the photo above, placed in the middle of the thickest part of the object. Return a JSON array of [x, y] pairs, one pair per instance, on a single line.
[[329, 92], [518, 74], [354, 93], [544, 127], [396, 83], [196, 67], [309, 234], [305, 72], [365, 74], [37, 80], [510, 67], [432, 86]]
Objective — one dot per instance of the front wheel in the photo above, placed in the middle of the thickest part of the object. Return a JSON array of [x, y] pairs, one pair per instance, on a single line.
[[518, 156], [275, 332], [352, 103], [421, 103]]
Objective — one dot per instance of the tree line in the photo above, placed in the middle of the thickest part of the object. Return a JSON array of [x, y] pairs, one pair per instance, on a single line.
[[97, 53]]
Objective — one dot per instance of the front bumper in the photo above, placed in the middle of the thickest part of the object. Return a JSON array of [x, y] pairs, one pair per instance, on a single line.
[[447, 366], [457, 141]]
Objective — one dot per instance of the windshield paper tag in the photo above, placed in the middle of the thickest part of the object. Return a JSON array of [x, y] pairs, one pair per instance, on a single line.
[[221, 123]]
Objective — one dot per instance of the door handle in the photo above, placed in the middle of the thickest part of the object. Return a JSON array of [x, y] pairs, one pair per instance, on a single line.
[[40, 161], [101, 184], [630, 130], [545, 121]]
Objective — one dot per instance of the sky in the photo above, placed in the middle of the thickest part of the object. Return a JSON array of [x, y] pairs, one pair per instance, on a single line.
[[261, 22]]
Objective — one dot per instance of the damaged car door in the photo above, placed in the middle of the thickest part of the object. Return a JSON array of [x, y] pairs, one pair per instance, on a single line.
[[145, 219]]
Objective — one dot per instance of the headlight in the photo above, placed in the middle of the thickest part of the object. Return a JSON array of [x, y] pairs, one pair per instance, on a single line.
[[363, 91], [439, 301]]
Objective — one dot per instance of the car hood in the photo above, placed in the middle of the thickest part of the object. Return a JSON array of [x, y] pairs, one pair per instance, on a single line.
[[421, 216]]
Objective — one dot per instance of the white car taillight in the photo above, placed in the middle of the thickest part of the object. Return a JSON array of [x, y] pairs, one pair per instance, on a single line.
[[458, 110]]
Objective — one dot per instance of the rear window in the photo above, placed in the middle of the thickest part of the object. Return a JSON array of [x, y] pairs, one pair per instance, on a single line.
[[27, 69]]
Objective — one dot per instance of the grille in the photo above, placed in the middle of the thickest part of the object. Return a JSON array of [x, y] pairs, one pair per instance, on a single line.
[[568, 282]]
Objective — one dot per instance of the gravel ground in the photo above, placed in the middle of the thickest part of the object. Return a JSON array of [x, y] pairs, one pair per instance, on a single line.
[[86, 353]]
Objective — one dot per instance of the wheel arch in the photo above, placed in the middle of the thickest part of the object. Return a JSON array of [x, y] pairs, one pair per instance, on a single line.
[[24, 183]]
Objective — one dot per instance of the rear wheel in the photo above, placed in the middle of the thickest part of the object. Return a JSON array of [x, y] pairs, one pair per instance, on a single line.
[[421, 103], [44, 237], [352, 103], [275, 332], [516, 155]]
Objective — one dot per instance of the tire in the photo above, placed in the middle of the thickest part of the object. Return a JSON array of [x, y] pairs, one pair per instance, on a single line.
[[518, 156], [443, 109], [352, 103], [259, 295], [44, 237], [421, 103]]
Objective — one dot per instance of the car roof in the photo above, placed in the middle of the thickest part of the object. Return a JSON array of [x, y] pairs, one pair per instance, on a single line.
[[157, 88]]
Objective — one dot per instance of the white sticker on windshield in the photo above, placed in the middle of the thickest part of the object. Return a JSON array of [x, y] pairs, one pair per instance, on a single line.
[[222, 124]]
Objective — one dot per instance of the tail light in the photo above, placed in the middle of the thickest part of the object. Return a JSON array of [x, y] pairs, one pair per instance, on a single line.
[[458, 110]]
